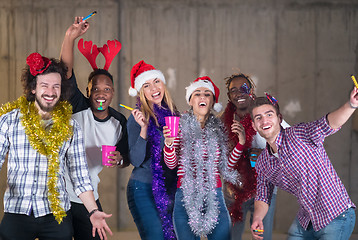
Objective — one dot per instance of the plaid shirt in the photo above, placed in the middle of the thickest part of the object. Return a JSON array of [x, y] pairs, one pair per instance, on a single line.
[[27, 169], [304, 170]]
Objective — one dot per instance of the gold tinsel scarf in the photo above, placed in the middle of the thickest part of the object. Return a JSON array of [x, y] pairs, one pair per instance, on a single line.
[[47, 143]]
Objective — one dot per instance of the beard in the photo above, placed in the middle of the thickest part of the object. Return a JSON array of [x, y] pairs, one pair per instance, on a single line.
[[46, 107]]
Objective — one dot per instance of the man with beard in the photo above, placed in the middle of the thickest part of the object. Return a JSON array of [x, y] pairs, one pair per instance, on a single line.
[[41, 140], [240, 199], [101, 124]]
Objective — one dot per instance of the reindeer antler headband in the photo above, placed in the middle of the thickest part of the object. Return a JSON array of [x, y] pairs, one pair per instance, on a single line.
[[109, 51]]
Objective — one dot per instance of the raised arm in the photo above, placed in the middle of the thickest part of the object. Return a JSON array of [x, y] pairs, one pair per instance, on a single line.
[[77, 29], [236, 153], [340, 116]]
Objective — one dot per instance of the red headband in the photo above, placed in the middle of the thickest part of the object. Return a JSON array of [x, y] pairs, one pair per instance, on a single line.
[[37, 63], [109, 51]]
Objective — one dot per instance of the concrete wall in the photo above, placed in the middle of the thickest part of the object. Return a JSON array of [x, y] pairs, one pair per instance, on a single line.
[[301, 51]]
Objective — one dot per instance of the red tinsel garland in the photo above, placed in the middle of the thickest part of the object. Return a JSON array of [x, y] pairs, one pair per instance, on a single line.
[[247, 173]]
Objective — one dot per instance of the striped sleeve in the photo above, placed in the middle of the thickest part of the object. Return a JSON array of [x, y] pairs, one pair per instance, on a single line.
[[170, 155], [235, 155]]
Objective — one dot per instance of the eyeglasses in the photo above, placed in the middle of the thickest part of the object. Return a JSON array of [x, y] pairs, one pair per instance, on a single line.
[[244, 89]]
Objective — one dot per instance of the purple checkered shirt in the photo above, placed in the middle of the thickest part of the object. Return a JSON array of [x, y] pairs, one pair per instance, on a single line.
[[304, 170]]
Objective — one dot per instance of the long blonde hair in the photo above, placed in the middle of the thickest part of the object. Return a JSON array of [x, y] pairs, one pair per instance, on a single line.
[[146, 106]]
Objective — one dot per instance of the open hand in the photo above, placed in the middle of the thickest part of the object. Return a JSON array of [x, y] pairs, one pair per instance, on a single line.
[[98, 220]]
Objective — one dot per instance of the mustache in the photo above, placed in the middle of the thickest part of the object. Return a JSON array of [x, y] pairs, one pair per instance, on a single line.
[[49, 96]]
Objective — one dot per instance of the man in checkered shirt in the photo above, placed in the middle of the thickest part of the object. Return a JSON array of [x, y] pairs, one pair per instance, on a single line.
[[28, 208], [295, 160]]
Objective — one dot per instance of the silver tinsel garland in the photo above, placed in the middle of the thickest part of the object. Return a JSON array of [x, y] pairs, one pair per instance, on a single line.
[[199, 180]]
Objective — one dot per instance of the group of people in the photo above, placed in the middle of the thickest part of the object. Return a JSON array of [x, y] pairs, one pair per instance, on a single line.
[[198, 183]]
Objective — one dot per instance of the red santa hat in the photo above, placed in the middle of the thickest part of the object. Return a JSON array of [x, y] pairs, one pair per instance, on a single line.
[[140, 73], [207, 83]]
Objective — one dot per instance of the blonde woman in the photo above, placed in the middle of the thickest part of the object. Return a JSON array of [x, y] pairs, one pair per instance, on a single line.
[[151, 187]]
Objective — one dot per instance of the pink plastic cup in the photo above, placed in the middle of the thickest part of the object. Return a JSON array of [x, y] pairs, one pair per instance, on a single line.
[[106, 149], [173, 124]]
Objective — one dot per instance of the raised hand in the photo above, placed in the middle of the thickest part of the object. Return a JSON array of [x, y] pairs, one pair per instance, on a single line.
[[354, 98], [143, 123], [78, 28], [139, 118], [239, 130]]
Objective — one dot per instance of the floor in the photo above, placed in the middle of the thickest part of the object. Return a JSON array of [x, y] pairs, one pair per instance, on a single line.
[[133, 235]]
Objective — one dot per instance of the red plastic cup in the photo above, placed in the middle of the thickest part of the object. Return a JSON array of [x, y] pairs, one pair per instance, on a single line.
[[106, 149], [173, 124]]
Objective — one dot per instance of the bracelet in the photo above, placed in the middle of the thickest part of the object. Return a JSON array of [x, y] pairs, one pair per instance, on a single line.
[[120, 162], [350, 104], [92, 212]]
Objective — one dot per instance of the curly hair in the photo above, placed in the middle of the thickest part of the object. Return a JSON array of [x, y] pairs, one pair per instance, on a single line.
[[29, 81], [99, 71], [228, 80]]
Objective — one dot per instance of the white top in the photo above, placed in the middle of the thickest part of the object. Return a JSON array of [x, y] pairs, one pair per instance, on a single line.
[[96, 133]]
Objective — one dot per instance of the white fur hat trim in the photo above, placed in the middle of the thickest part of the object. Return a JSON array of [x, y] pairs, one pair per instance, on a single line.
[[195, 85], [147, 75]]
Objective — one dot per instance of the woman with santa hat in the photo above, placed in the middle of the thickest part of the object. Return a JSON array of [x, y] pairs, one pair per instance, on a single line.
[[151, 187], [201, 155]]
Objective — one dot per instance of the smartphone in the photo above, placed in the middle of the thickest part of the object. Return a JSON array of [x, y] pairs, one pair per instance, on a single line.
[[237, 118]]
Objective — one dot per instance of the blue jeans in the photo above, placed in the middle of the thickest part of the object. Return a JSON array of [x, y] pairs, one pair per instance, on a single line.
[[239, 227], [141, 204], [181, 225], [339, 228]]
